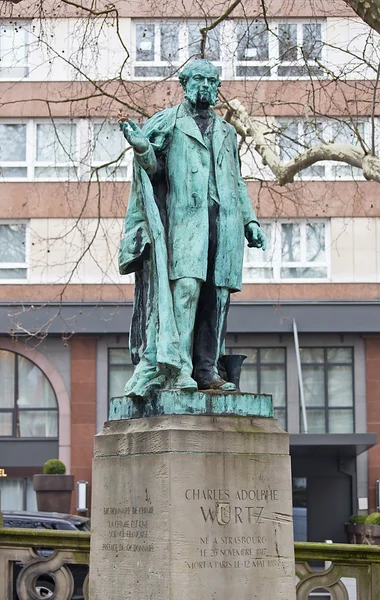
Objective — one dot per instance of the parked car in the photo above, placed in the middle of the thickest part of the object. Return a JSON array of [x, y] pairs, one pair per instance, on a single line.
[[45, 585]]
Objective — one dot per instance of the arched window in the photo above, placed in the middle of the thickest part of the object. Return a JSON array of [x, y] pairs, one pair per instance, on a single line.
[[28, 405]]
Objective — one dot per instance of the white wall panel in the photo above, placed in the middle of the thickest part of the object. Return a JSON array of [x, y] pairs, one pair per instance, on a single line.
[[63, 250], [77, 49], [365, 250], [342, 250], [99, 49], [49, 50], [355, 250], [348, 43]]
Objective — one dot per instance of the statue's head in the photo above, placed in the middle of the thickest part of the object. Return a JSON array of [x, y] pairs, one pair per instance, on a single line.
[[200, 81]]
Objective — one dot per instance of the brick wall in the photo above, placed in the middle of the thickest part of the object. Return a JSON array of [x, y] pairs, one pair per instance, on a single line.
[[83, 408]]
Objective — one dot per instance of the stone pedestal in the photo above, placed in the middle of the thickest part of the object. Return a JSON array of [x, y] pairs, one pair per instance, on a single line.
[[192, 507]]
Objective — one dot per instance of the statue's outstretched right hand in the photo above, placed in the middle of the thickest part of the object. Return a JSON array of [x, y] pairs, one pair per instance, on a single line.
[[134, 136]]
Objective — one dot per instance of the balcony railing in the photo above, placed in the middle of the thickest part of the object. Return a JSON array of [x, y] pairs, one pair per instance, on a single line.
[[339, 572], [32, 558], [349, 572]]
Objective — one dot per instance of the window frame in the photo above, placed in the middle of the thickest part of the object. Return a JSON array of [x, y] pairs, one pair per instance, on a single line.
[[326, 406], [274, 62], [31, 163], [183, 53], [109, 365], [276, 262], [330, 168], [156, 62], [232, 349], [26, 264], [228, 61], [16, 409]]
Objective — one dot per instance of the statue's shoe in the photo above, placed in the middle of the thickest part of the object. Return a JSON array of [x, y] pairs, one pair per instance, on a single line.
[[143, 383], [217, 383], [185, 383]]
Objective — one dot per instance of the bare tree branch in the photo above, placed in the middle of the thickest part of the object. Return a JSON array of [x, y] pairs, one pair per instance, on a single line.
[[285, 172], [204, 30]]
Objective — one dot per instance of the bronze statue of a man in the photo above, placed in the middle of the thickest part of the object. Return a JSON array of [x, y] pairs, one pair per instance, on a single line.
[[187, 216]]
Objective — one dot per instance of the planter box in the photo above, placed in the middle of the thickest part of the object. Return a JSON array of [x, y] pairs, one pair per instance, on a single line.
[[53, 492], [363, 534]]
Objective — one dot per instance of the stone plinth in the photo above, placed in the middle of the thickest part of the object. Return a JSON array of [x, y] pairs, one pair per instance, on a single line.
[[192, 507]]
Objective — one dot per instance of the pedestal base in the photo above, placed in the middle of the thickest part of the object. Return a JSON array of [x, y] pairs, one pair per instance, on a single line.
[[176, 402], [192, 508]]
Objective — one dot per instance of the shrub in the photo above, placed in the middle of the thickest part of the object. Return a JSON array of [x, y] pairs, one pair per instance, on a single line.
[[54, 467], [373, 519], [358, 519]]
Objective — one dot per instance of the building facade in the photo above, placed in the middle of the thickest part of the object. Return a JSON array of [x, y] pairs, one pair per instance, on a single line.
[[307, 75]]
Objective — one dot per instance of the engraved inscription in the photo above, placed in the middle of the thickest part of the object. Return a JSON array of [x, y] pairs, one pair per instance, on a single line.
[[245, 512], [223, 512], [128, 529]]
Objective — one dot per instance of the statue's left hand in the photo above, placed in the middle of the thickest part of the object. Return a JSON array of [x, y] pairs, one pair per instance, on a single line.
[[255, 236]]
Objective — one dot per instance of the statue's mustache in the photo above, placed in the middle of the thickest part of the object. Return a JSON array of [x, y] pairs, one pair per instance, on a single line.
[[195, 94]]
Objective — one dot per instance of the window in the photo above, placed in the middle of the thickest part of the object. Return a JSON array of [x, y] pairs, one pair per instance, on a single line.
[[299, 47], [303, 251], [239, 48], [162, 47], [345, 132], [213, 41], [264, 371], [17, 494], [110, 157], [28, 406], [300, 508], [296, 136], [13, 50], [328, 376], [13, 249], [245, 49], [295, 250], [120, 369], [252, 50], [38, 150], [62, 150], [278, 50], [56, 151], [13, 163], [157, 49]]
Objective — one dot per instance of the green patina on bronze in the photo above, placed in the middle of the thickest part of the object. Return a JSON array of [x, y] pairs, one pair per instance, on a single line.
[[188, 214], [175, 402]]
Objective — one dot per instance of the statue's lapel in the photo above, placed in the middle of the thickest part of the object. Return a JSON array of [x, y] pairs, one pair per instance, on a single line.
[[219, 135], [187, 124]]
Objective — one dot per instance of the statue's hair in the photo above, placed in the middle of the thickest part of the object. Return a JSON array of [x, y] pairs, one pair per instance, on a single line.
[[188, 70]]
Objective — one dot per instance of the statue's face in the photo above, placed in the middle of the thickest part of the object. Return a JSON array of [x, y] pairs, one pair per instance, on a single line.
[[202, 86]]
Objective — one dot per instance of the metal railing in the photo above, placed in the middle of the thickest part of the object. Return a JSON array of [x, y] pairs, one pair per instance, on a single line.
[[336, 571]]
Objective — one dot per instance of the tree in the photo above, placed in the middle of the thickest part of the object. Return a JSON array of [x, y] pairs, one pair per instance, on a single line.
[[369, 11]]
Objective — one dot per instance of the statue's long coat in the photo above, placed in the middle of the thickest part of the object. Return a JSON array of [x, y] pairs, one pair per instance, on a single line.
[[178, 162]]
